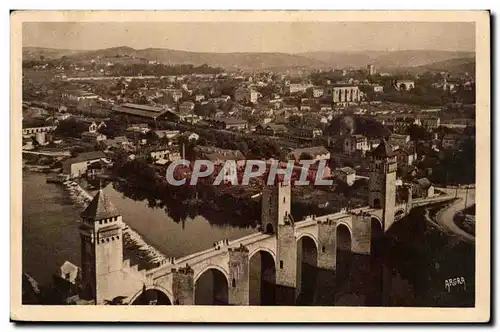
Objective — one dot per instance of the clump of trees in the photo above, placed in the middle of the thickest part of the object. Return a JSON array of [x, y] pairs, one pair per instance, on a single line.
[[361, 125], [71, 128]]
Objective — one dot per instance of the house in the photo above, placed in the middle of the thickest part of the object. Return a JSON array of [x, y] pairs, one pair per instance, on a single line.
[[422, 188], [63, 116], [271, 129], [69, 272], [191, 136], [281, 116], [117, 142], [219, 156], [431, 122], [341, 93], [404, 85], [94, 169], [346, 175], [399, 139], [355, 143], [93, 126], [315, 153], [67, 279], [175, 94], [243, 94], [298, 87], [451, 141], [406, 156], [305, 132], [174, 155], [141, 112], [166, 133], [79, 95], [186, 107], [229, 123], [77, 166], [158, 153], [401, 123], [92, 137], [142, 128], [317, 92]]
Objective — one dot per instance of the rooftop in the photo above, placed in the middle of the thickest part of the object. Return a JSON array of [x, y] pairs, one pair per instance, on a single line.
[[100, 208], [69, 271], [347, 170], [143, 107], [384, 149], [314, 151]]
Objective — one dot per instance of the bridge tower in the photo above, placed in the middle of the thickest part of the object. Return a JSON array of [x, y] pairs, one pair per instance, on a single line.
[[382, 183], [101, 248], [276, 218], [276, 204]]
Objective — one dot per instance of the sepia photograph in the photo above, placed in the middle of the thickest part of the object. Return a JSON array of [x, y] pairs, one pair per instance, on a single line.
[[246, 161]]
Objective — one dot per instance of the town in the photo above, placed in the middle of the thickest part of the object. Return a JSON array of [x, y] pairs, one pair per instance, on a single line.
[[96, 119]]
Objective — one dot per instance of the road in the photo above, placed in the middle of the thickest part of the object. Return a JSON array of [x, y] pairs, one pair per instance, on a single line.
[[445, 217], [49, 153]]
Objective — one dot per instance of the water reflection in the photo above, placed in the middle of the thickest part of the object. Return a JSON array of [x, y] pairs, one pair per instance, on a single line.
[[188, 202]]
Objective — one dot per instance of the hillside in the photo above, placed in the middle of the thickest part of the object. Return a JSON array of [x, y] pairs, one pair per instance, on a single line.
[[34, 53], [385, 59], [453, 66], [251, 61], [174, 57]]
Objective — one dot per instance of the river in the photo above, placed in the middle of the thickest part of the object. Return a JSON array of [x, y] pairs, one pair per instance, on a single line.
[[416, 258]]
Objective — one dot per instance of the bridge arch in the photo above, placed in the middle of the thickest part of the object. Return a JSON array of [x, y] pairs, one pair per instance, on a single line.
[[309, 235], [256, 251], [307, 263], [211, 267], [262, 277], [343, 234], [399, 211], [165, 295], [377, 218], [211, 286]]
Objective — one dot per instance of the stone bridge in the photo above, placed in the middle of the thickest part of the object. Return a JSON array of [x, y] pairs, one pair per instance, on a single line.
[[314, 240]]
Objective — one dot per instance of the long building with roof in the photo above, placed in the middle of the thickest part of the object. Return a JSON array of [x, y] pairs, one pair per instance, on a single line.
[[142, 111]]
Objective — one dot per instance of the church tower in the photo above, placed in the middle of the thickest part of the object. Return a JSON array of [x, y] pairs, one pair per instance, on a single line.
[[101, 247], [382, 183]]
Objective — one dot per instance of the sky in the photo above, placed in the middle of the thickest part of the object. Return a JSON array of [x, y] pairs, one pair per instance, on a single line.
[[287, 37]]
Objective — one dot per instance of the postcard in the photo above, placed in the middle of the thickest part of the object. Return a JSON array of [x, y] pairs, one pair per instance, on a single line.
[[250, 166]]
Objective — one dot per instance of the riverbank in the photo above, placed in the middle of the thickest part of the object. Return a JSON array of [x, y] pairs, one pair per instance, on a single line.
[[133, 241], [426, 254], [445, 217], [466, 220]]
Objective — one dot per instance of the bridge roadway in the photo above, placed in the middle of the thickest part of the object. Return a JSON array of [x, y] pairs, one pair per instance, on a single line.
[[219, 257]]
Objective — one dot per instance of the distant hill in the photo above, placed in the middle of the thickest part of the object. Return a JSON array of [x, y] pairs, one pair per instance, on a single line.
[[385, 59], [34, 53], [168, 56], [453, 66], [249, 61]]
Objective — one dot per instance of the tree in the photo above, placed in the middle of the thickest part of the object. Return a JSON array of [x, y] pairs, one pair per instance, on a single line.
[[151, 138], [306, 156], [114, 127], [70, 128], [418, 133], [243, 147]]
